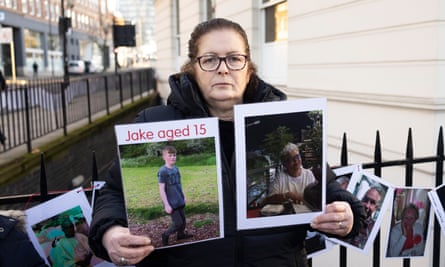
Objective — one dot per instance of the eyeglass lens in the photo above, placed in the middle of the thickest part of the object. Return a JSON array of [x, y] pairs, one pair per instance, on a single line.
[[295, 158], [213, 62], [366, 200]]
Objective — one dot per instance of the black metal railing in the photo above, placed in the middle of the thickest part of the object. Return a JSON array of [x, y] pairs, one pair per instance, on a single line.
[[31, 199], [31, 109], [378, 164], [408, 164]]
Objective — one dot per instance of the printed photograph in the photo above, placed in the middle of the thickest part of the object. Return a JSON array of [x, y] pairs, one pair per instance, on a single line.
[[281, 168], [171, 187], [59, 230], [344, 174], [410, 220], [375, 195]]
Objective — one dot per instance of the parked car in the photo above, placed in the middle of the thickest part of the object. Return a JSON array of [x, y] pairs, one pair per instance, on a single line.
[[76, 67]]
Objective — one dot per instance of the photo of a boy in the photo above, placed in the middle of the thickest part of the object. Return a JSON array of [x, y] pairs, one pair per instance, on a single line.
[[172, 195]]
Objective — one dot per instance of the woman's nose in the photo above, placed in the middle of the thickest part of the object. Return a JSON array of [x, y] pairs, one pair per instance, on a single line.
[[222, 68]]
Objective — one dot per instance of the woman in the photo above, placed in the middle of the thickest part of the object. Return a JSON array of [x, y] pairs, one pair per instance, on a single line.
[[218, 75], [406, 237]]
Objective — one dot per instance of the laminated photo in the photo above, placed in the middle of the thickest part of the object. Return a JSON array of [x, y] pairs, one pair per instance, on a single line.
[[410, 220], [437, 198], [375, 195], [281, 166], [171, 179], [344, 174], [58, 229]]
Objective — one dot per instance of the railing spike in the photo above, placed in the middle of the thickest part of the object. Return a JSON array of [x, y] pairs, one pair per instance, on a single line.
[[440, 145], [409, 160], [95, 174], [409, 145], [378, 148], [344, 151], [43, 183]]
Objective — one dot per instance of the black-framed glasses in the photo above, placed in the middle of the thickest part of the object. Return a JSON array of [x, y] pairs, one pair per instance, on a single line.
[[212, 62]]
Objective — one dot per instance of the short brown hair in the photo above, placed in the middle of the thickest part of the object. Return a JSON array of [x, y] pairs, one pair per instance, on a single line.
[[169, 149]]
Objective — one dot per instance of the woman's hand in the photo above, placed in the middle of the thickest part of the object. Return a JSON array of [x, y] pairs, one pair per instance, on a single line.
[[125, 248], [338, 219]]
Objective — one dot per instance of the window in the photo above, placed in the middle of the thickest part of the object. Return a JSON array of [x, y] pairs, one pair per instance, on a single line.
[[32, 39], [38, 9], [47, 10], [276, 22], [177, 28], [210, 9], [25, 6], [274, 52], [32, 8]]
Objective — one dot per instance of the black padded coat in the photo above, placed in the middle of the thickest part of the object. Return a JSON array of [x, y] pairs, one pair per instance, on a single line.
[[15, 247], [283, 246]]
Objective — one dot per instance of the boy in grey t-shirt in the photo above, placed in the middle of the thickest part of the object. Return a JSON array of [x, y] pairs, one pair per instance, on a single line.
[[172, 196]]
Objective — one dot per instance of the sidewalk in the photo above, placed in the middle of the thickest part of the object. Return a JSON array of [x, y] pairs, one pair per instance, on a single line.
[[18, 152], [18, 159]]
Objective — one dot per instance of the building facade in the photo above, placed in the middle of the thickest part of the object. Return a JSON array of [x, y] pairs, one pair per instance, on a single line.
[[379, 64], [36, 36], [141, 14]]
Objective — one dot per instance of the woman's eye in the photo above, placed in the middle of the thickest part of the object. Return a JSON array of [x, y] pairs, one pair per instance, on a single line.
[[235, 59], [209, 60]]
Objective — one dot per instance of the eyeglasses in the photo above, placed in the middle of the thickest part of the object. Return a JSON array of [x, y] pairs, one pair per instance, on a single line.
[[295, 157], [212, 62], [366, 200]]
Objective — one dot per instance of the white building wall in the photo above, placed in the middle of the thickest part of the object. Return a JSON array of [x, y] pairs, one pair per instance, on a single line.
[[379, 63], [382, 60], [165, 63]]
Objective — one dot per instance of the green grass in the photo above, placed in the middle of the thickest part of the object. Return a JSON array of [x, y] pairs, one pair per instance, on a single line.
[[200, 224], [142, 197]]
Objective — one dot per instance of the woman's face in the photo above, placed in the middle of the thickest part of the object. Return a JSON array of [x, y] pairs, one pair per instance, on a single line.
[[222, 88], [409, 218]]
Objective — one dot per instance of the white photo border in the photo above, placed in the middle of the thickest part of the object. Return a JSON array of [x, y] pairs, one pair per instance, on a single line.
[[53, 207], [347, 170], [176, 130], [425, 227], [273, 108], [436, 204], [354, 184]]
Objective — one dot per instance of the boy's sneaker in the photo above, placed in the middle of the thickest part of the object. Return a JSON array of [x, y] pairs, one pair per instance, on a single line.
[[164, 239], [184, 235]]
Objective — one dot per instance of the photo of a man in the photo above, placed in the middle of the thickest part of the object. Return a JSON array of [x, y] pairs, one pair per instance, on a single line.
[[371, 203], [375, 195]]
